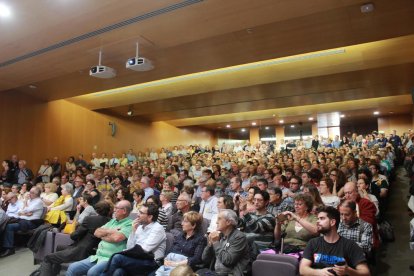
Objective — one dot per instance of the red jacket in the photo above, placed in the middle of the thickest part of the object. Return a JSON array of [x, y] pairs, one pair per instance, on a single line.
[[367, 211]]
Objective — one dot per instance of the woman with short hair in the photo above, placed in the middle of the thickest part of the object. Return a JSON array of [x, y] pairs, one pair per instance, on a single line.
[[299, 226], [85, 203], [49, 195], [188, 247]]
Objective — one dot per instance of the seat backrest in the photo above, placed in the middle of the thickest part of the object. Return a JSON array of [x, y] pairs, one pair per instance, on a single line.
[[204, 225], [44, 212], [279, 258], [269, 268], [170, 241], [133, 215]]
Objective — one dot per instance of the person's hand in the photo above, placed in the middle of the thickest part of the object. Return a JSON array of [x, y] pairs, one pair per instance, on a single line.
[[213, 237], [135, 224], [325, 272], [169, 263], [78, 207], [290, 215], [340, 269]]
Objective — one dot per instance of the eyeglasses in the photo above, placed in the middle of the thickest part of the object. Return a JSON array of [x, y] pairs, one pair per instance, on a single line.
[[332, 174]]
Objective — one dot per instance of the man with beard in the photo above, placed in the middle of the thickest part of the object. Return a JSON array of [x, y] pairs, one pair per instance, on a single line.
[[332, 254]]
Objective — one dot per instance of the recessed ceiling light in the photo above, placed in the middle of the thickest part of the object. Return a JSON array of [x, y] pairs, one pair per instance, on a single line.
[[342, 115], [243, 129], [32, 86], [4, 10], [254, 123], [281, 121], [310, 118], [376, 113], [292, 126], [391, 112], [274, 115], [228, 126], [266, 127]]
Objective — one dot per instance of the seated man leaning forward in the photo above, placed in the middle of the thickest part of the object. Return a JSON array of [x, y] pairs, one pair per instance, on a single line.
[[332, 254], [228, 246], [113, 237], [146, 244]]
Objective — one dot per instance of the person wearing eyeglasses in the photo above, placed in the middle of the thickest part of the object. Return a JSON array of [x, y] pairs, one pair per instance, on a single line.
[[113, 237], [299, 226], [146, 243]]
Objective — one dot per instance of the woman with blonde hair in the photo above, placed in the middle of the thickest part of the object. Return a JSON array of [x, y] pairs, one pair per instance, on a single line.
[[57, 211], [49, 195]]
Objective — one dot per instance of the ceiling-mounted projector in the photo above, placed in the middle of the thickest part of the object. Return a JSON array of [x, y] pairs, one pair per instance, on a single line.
[[139, 64], [103, 72], [100, 71]]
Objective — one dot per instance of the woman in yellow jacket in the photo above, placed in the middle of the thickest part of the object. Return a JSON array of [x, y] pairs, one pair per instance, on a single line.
[[57, 211]]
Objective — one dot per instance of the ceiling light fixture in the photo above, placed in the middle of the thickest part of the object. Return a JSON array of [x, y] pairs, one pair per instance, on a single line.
[[228, 126], [292, 126], [342, 115], [367, 8], [243, 129], [4, 10], [254, 123], [266, 127], [310, 118], [376, 113], [281, 121], [130, 111]]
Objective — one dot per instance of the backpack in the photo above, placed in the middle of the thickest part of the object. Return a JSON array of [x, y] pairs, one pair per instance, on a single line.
[[386, 231]]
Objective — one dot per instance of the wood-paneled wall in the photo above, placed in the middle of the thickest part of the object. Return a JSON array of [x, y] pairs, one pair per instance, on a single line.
[[401, 123], [35, 130]]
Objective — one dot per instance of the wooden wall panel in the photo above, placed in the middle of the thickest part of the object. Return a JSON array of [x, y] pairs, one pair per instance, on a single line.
[[401, 123], [35, 130]]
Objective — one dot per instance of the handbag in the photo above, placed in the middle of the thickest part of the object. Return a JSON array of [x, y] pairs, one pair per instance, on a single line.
[[70, 227]]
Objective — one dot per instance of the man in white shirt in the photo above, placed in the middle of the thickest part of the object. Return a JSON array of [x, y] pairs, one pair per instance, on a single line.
[[14, 205], [29, 218], [147, 242], [145, 185], [114, 160], [208, 205]]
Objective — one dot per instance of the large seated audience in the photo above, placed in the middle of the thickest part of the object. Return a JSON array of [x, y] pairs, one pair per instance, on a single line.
[[319, 199]]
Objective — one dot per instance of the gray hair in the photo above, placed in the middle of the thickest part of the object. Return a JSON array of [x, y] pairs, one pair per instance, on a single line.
[[188, 182], [231, 216], [69, 188]]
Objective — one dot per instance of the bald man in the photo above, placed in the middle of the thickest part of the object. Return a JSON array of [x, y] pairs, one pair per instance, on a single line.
[[366, 210], [113, 235]]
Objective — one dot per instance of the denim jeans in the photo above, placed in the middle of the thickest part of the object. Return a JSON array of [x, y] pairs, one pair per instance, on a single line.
[[121, 265], [23, 224], [86, 267]]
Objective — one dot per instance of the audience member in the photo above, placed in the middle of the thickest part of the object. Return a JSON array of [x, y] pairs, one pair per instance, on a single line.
[[332, 254]]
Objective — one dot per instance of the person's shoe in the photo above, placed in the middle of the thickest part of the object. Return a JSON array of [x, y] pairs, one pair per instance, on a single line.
[[411, 267], [7, 252]]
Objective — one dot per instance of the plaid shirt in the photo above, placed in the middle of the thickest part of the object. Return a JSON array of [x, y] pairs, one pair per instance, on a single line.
[[276, 209], [360, 232]]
